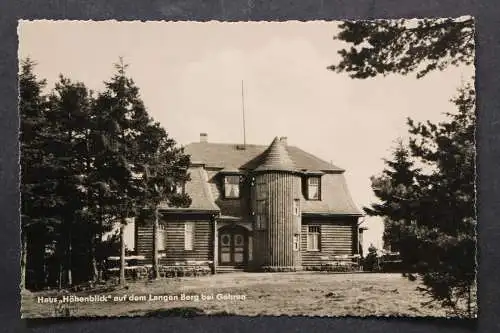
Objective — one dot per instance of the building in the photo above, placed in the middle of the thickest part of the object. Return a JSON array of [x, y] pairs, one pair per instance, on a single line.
[[272, 207]]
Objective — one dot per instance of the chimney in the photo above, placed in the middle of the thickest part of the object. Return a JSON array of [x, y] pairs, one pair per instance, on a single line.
[[283, 140], [203, 137]]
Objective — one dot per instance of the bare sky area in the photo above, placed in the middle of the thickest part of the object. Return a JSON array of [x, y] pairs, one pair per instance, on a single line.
[[189, 75]]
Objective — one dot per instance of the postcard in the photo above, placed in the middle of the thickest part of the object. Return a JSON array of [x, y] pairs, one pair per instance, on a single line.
[[320, 168]]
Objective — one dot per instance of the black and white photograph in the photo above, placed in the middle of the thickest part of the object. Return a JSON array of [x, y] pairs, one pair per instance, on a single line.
[[317, 168]]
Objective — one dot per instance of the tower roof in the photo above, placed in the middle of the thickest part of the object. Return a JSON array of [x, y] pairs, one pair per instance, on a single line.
[[276, 158]]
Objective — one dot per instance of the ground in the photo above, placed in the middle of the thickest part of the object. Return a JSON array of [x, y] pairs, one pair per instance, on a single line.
[[304, 293]]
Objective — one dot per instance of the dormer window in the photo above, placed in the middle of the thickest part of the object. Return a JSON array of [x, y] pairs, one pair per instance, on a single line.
[[314, 188], [231, 187]]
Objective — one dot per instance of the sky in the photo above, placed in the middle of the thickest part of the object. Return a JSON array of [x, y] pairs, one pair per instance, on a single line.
[[190, 74]]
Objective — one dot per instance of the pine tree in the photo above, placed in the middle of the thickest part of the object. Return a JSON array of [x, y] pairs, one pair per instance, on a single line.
[[141, 163], [404, 46], [68, 117], [397, 190], [87, 164], [446, 229], [440, 227], [37, 199], [432, 211], [138, 165], [164, 167], [118, 109]]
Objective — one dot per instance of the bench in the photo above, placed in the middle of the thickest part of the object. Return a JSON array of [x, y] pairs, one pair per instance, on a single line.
[[135, 272], [180, 268], [340, 262], [186, 268]]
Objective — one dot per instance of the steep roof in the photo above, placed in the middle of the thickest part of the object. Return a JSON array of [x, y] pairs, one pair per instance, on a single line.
[[335, 198], [234, 157], [276, 158], [231, 158], [199, 192]]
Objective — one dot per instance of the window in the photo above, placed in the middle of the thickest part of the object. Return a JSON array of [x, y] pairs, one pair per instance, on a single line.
[[313, 238], [189, 236], [232, 187], [313, 188], [160, 237], [296, 240], [261, 190], [296, 207], [261, 216], [225, 240], [239, 240]]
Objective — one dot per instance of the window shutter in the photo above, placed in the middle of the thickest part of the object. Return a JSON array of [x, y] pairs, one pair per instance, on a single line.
[[160, 236], [189, 236]]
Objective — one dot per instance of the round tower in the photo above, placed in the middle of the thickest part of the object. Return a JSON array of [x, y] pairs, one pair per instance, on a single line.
[[276, 203]]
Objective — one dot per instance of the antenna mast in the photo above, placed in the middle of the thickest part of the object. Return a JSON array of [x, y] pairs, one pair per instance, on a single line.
[[243, 110]]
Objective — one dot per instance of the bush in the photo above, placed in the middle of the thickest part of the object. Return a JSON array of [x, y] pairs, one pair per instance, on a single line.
[[370, 262], [331, 268], [179, 271], [278, 269]]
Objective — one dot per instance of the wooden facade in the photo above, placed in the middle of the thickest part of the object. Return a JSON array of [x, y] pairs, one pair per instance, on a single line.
[[173, 229], [337, 237], [281, 244], [272, 248], [144, 241], [273, 243], [270, 224]]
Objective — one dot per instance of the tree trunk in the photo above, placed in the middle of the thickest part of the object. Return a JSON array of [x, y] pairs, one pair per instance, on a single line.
[[98, 240], [70, 261], [469, 302], [94, 269], [215, 246], [122, 253], [24, 256], [156, 273], [60, 275]]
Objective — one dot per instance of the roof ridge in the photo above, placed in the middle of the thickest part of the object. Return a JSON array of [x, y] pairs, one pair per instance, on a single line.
[[229, 155], [250, 144], [224, 143], [317, 158]]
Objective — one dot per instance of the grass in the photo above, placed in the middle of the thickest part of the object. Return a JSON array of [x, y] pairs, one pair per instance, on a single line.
[[303, 293]]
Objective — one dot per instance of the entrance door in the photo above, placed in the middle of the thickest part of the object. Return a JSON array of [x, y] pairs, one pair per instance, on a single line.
[[232, 246], [225, 241], [238, 249]]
